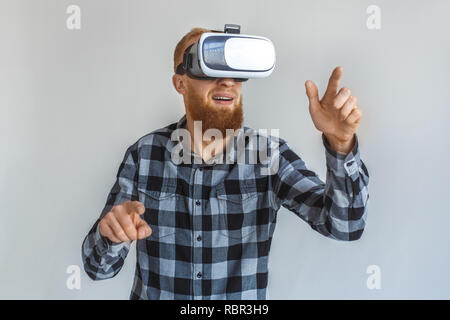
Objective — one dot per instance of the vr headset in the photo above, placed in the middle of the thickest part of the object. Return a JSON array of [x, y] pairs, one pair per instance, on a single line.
[[228, 54]]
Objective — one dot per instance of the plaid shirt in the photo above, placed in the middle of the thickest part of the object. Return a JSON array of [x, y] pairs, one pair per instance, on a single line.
[[213, 223]]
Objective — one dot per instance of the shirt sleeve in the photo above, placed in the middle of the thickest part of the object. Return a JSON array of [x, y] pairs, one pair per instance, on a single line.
[[336, 209], [102, 258]]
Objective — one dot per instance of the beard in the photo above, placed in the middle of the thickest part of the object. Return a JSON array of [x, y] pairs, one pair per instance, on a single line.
[[214, 116]]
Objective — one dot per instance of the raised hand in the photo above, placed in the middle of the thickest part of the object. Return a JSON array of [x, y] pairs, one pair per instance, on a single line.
[[336, 114]]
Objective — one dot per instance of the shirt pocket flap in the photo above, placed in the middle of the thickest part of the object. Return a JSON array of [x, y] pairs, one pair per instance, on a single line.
[[166, 191], [236, 194]]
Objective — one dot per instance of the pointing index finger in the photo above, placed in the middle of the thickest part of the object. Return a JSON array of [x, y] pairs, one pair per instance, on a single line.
[[333, 83]]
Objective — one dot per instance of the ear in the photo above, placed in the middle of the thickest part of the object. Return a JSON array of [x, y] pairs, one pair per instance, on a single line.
[[178, 83]]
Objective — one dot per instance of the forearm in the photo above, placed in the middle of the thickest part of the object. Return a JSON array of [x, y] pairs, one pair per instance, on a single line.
[[337, 208], [347, 189], [102, 259]]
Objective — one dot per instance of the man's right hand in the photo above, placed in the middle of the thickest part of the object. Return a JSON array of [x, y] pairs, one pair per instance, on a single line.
[[123, 223]]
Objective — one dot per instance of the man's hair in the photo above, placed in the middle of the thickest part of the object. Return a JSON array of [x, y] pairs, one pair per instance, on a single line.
[[182, 44]]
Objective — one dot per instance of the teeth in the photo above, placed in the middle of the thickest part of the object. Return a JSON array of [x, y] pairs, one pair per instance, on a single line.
[[222, 98]]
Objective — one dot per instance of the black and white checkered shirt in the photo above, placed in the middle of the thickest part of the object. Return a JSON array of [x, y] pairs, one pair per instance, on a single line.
[[213, 223]]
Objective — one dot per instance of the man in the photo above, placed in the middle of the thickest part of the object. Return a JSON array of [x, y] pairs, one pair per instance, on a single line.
[[203, 228]]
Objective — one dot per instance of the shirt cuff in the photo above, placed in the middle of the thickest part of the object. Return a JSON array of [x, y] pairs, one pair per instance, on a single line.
[[341, 164], [104, 244]]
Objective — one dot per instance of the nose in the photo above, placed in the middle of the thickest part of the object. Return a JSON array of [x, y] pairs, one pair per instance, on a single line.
[[228, 82]]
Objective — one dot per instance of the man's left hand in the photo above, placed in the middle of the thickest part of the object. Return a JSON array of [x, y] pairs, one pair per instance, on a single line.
[[336, 114]]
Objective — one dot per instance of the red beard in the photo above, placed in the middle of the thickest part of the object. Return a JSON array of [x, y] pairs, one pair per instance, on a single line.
[[214, 116]]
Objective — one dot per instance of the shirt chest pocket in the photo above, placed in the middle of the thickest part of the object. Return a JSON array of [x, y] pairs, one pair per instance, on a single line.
[[160, 209], [238, 210]]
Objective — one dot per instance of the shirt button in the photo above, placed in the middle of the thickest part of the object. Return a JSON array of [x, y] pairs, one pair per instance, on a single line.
[[197, 202], [199, 238], [199, 275], [351, 167]]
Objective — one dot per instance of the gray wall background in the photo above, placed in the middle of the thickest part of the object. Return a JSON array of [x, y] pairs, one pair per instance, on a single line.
[[72, 101]]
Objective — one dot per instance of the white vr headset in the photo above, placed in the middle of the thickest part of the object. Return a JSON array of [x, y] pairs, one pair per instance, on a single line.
[[228, 54]]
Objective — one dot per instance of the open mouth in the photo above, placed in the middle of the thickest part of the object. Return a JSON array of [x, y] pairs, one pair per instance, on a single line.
[[225, 99]]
